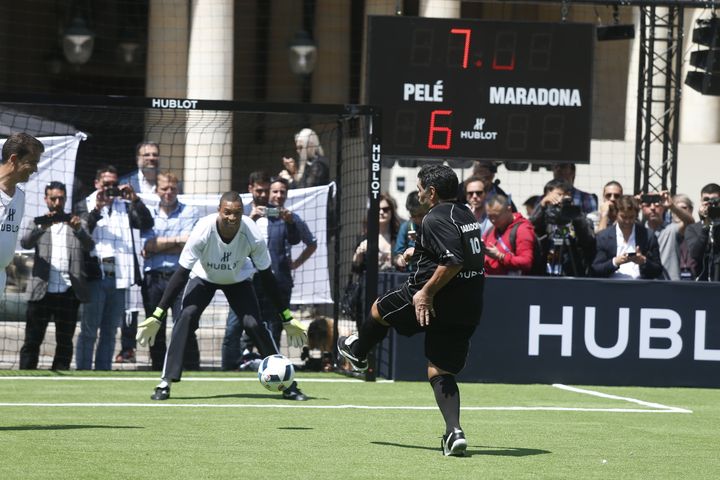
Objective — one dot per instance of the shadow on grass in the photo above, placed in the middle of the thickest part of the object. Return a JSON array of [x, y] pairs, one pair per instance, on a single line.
[[256, 396], [20, 428], [295, 428], [479, 450]]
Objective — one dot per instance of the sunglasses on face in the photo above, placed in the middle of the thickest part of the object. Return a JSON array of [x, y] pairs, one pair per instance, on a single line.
[[608, 196], [385, 209], [476, 192]]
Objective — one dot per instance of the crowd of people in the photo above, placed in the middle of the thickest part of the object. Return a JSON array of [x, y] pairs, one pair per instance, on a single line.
[[88, 263], [568, 232]]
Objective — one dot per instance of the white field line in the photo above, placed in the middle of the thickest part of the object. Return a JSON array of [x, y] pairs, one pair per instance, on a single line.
[[626, 399], [327, 407], [654, 407], [186, 379]]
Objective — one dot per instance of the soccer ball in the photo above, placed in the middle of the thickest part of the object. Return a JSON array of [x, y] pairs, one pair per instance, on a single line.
[[276, 373]]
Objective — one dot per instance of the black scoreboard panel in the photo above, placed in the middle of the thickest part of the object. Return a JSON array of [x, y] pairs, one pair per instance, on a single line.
[[454, 88]]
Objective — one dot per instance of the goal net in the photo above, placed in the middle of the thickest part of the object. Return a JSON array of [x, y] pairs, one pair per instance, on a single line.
[[212, 147]]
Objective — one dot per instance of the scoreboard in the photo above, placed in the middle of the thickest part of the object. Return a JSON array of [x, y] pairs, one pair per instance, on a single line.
[[458, 88]]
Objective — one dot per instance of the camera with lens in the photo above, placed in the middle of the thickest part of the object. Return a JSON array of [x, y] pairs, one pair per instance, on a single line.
[[562, 213], [713, 211], [112, 191], [272, 212], [50, 219]]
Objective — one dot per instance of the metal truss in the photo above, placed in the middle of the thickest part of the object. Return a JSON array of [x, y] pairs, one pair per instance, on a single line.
[[659, 87]]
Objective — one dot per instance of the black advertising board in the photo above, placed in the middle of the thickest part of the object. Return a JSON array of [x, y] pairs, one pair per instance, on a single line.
[[458, 88], [586, 331]]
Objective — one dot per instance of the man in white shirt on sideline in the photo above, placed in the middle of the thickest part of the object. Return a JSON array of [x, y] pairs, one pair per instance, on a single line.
[[223, 251], [20, 156]]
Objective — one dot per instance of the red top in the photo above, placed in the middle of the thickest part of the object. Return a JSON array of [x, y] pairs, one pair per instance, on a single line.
[[518, 262]]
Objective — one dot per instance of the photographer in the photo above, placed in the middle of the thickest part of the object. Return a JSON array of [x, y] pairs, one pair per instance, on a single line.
[[565, 234], [112, 213], [702, 247], [58, 283]]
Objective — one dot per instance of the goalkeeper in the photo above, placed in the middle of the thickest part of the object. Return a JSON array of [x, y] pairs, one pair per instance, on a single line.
[[220, 254]]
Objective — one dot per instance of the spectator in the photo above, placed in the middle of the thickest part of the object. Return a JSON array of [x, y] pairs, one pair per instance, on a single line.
[[701, 250], [20, 156], [627, 249], [173, 221], [669, 235], [143, 180], [112, 212], [530, 204], [587, 202], [311, 168], [502, 256], [475, 195], [486, 170], [407, 234], [565, 233], [688, 268], [58, 283], [608, 210], [389, 228], [281, 228]]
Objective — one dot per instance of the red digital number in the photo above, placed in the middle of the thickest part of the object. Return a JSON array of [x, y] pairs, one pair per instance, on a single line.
[[435, 129], [504, 55], [466, 50]]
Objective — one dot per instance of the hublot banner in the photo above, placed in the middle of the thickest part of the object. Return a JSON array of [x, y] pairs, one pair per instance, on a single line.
[[586, 331]]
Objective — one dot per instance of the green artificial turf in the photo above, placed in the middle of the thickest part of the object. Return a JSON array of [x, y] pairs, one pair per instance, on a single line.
[[105, 426]]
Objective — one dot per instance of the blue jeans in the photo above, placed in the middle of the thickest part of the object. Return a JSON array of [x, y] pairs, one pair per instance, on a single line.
[[104, 312]]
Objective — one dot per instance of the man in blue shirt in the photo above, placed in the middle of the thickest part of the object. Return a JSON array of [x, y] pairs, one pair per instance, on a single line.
[[163, 243], [282, 230]]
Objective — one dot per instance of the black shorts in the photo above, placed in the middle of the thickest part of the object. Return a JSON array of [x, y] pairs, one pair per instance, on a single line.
[[447, 338]]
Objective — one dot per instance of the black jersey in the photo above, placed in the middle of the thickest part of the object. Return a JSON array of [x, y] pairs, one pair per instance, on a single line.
[[449, 235]]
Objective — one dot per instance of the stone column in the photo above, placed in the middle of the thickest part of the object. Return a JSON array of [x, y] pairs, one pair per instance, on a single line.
[[440, 8], [208, 146], [167, 77]]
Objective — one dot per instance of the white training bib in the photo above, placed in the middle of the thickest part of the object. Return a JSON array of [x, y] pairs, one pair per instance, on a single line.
[[213, 260]]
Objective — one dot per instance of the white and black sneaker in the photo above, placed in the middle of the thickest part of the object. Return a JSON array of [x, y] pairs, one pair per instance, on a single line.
[[344, 345], [454, 444], [162, 392]]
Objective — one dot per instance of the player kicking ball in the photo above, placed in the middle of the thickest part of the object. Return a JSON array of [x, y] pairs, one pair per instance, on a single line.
[[442, 299], [217, 254]]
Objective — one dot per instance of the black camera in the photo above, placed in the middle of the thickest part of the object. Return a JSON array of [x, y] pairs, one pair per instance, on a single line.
[[50, 219], [650, 198], [562, 213], [112, 191], [713, 211]]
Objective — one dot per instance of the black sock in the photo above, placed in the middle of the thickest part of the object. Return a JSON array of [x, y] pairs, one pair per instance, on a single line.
[[370, 334], [447, 396]]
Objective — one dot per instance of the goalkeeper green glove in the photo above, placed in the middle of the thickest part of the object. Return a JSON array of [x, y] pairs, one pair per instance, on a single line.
[[296, 331], [148, 329]]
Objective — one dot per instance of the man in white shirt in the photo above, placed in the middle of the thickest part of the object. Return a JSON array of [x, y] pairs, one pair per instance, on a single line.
[[114, 215], [627, 250], [144, 179], [223, 251], [20, 156]]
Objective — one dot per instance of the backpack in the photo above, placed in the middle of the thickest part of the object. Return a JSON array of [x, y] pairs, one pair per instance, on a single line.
[[538, 267]]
